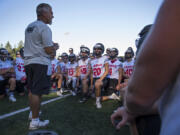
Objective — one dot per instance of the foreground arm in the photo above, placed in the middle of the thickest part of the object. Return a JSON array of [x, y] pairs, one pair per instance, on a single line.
[[158, 61]]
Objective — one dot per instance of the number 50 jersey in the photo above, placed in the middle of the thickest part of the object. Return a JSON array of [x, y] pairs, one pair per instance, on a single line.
[[97, 66]]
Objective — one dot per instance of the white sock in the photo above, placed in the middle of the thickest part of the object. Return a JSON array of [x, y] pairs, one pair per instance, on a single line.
[[98, 99], [35, 120], [110, 97]]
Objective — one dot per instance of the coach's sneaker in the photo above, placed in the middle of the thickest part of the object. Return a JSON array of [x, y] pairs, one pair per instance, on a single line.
[[38, 124], [12, 98], [98, 105], [59, 93]]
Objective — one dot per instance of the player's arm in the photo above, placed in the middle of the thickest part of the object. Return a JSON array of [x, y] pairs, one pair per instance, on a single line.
[[158, 61], [106, 65], [91, 77], [78, 71], [124, 74], [58, 69], [77, 75], [66, 74], [3, 71], [120, 71]]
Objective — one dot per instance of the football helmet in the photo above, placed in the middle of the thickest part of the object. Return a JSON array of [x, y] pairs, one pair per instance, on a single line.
[[108, 51], [99, 46], [72, 57], [3, 54], [71, 50], [129, 53], [84, 52], [64, 57], [22, 52], [113, 53], [82, 46]]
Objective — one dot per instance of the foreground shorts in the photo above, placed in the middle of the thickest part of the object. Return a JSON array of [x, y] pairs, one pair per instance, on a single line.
[[38, 82]]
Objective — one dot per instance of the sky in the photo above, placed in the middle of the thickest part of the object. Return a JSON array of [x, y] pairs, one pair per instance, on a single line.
[[115, 23]]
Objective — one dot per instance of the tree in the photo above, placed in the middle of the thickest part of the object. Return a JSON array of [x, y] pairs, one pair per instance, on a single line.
[[1, 46], [20, 45], [8, 47]]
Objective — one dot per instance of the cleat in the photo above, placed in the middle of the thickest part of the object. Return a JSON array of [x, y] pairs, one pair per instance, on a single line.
[[114, 96], [73, 93], [59, 93], [98, 105], [12, 98], [82, 100], [38, 124]]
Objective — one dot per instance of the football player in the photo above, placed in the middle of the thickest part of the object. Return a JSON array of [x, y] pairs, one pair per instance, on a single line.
[[56, 77], [114, 76], [72, 74], [63, 65], [84, 72], [99, 69], [20, 72], [7, 75], [128, 66]]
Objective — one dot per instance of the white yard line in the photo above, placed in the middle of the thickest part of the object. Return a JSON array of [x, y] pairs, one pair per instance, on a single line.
[[27, 108]]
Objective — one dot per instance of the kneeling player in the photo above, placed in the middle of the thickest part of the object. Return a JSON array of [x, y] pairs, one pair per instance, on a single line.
[[114, 76], [63, 65], [99, 69], [128, 67], [72, 74], [56, 77], [84, 72], [20, 72], [7, 75]]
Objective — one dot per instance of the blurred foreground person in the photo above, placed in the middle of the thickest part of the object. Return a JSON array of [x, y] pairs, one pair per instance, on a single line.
[[147, 85]]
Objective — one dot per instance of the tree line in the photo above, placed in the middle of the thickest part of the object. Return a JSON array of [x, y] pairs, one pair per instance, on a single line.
[[12, 50]]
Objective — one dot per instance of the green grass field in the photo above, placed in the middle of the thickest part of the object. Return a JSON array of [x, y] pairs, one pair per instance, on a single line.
[[67, 117]]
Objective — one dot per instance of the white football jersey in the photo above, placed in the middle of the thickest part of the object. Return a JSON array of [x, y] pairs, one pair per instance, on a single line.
[[71, 69], [4, 65], [97, 66], [54, 65], [63, 66], [128, 67], [19, 68], [83, 65], [114, 67]]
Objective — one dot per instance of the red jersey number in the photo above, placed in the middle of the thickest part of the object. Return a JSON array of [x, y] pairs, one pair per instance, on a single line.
[[110, 71], [71, 71], [20, 67], [129, 72], [83, 71], [96, 71], [53, 68]]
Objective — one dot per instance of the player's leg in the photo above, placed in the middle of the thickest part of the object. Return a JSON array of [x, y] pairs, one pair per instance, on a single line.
[[12, 86], [98, 85]]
